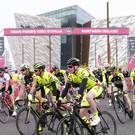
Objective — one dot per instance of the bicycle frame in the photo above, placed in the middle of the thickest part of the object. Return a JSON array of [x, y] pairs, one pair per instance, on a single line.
[[5, 101]]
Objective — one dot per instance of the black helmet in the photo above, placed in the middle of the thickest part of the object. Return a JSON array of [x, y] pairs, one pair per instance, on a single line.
[[39, 66], [1, 69], [73, 61], [126, 73]]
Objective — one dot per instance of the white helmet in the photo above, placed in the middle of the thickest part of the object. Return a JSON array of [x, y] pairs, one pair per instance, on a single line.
[[24, 66]]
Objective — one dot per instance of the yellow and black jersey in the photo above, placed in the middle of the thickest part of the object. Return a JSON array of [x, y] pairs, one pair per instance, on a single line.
[[117, 80], [60, 74], [132, 75], [46, 80], [15, 77], [81, 74]]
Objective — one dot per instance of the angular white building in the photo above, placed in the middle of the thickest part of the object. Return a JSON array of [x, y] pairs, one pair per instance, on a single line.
[[33, 49], [118, 43]]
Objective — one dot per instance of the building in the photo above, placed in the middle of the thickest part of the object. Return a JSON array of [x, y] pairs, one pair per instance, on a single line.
[[90, 49], [73, 45], [33, 49], [1, 45], [118, 43]]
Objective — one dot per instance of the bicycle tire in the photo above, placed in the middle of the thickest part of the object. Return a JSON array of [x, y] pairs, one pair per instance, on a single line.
[[63, 129], [23, 125], [48, 122], [107, 125], [120, 109], [4, 113]]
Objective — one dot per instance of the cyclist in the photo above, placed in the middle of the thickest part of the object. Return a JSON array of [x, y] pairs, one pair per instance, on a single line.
[[15, 87], [4, 80], [49, 83], [132, 75], [128, 80], [6, 70], [5, 84], [26, 80], [117, 81], [89, 88], [61, 74]]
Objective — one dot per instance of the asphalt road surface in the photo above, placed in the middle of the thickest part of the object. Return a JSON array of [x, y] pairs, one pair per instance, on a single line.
[[123, 129]]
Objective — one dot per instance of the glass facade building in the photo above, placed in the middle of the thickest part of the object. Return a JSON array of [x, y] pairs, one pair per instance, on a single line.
[[1, 45], [73, 45]]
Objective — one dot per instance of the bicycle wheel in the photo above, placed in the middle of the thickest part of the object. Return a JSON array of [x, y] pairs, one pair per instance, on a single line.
[[26, 121], [4, 112], [120, 109], [47, 124], [107, 125], [65, 127]]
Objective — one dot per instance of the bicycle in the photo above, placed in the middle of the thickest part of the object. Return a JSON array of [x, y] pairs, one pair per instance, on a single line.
[[27, 117], [6, 106], [49, 120], [74, 124], [120, 106]]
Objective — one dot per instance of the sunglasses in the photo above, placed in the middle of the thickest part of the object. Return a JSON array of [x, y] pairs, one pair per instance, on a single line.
[[23, 70], [70, 66], [36, 70]]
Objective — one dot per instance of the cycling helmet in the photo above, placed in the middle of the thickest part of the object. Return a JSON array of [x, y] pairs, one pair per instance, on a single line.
[[1, 69], [24, 66], [126, 73], [55, 67], [39, 66], [112, 69], [73, 61]]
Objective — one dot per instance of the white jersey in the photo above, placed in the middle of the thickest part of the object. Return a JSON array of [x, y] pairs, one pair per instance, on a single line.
[[4, 79]]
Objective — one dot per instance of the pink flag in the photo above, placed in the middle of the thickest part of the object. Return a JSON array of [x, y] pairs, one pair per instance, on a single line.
[[131, 63]]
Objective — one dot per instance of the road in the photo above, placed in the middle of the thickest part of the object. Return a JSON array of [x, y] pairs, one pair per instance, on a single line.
[[123, 129]]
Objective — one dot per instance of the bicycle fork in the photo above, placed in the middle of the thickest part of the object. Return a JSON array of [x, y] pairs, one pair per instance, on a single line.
[[27, 119]]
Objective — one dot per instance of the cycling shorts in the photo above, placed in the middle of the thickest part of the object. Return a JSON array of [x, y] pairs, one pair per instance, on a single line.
[[95, 90], [134, 82]]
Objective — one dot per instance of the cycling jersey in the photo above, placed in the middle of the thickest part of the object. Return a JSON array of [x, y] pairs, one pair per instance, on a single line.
[[29, 78], [60, 75], [15, 76], [83, 78], [86, 80], [117, 80], [4, 82], [133, 75], [81, 74], [47, 80]]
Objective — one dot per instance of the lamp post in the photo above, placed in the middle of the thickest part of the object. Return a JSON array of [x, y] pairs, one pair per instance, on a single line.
[[116, 43], [95, 55], [108, 37], [34, 51], [22, 53], [50, 54]]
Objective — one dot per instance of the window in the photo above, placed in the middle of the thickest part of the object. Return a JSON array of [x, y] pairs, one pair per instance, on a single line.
[[63, 39]]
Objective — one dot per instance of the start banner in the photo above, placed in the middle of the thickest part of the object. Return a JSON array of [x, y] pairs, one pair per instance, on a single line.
[[65, 31]]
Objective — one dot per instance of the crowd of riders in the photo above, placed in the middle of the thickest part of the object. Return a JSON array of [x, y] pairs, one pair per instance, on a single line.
[[57, 83]]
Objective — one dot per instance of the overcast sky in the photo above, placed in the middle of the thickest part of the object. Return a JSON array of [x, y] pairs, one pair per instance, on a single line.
[[96, 8]]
